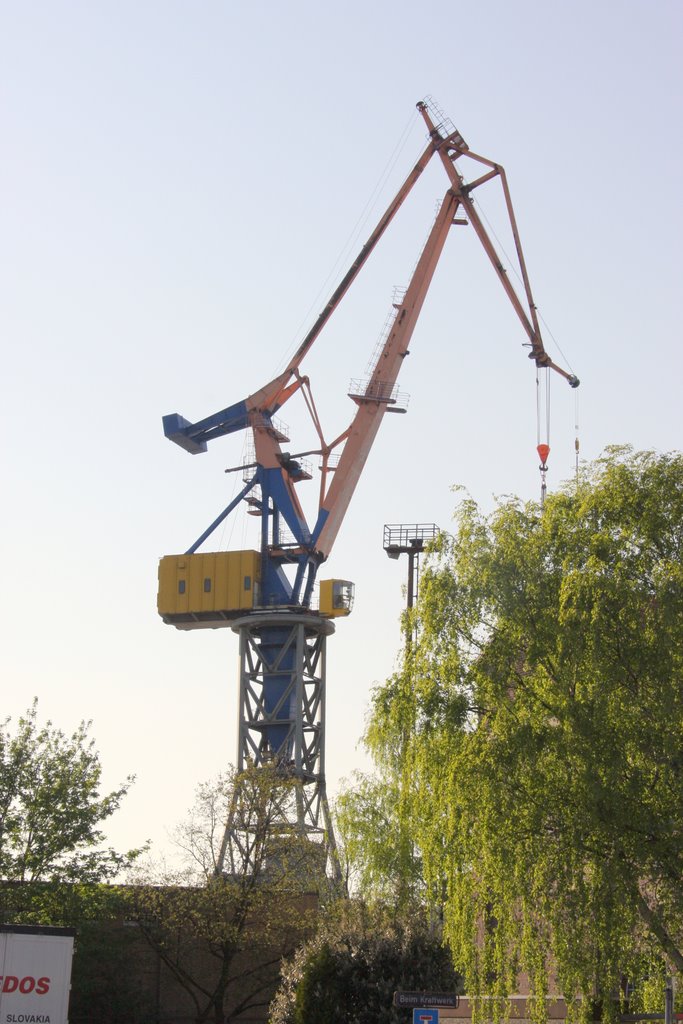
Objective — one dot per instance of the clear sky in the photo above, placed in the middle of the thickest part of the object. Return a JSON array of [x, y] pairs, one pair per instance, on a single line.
[[181, 187]]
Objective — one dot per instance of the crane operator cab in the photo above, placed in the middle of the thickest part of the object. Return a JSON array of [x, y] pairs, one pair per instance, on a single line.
[[336, 598]]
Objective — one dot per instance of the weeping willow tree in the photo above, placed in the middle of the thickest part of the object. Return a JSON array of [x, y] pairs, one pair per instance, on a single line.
[[534, 737]]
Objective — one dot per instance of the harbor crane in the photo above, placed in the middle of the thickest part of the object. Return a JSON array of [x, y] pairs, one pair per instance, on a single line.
[[271, 597]]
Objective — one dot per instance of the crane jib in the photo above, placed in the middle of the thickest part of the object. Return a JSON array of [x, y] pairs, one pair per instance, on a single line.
[[281, 507]]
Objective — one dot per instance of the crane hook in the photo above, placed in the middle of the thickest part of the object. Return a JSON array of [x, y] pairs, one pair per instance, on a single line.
[[543, 453]]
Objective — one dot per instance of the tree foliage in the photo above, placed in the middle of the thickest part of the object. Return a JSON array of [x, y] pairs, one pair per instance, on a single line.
[[348, 973], [53, 866], [223, 935], [537, 724], [376, 842], [51, 807]]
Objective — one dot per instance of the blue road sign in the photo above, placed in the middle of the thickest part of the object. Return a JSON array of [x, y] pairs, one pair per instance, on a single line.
[[425, 1016]]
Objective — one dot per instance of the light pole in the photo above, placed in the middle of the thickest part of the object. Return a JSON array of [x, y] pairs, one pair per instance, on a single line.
[[409, 539]]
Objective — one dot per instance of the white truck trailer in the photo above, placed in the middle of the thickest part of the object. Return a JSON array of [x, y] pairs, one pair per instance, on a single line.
[[35, 974]]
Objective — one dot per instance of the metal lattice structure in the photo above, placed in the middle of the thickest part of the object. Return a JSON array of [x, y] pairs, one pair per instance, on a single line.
[[282, 723]]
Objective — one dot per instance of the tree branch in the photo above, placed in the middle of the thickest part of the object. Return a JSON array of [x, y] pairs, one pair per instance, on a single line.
[[660, 932]]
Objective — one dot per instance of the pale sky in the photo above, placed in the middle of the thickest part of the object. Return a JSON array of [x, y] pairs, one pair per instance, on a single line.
[[179, 181]]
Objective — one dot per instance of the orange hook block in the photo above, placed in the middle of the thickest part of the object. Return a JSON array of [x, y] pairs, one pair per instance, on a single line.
[[543, 453]]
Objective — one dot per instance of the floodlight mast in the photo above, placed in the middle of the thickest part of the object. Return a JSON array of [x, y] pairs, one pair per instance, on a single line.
[[282, 710]]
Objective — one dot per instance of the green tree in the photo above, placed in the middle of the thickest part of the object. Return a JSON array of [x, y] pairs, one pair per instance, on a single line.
[[539, 724], [53, 865], [223, 935], [348, 973], [376, 843], [51, 806]]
